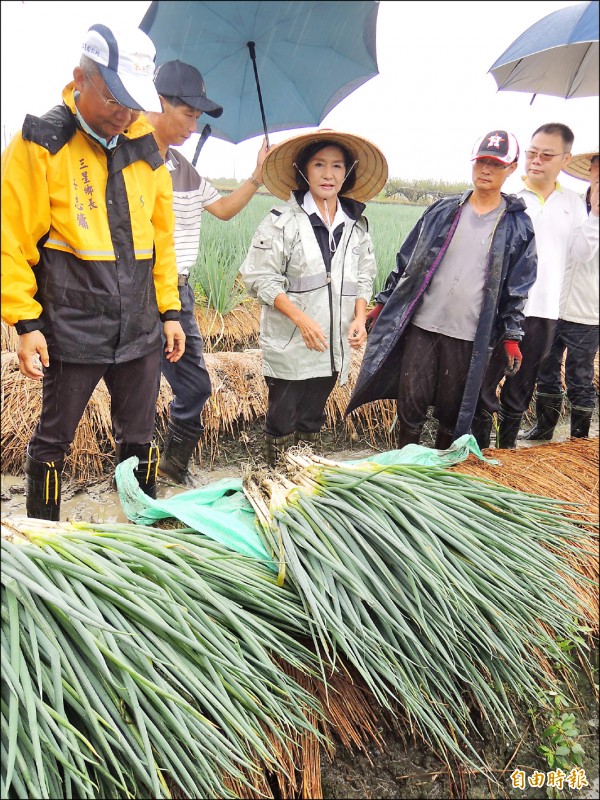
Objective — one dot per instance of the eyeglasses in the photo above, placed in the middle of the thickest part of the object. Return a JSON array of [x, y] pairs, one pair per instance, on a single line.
[[491, 163], [533, 154], [111, 103]]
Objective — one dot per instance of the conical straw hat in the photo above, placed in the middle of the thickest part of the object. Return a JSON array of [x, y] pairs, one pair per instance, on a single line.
[[579, 166], [279, 174]]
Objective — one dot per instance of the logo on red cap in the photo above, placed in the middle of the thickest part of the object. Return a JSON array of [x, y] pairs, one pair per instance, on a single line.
[[495, 140]]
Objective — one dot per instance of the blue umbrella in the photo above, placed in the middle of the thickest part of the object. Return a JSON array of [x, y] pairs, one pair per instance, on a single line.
[[556, 56], [272, 65]]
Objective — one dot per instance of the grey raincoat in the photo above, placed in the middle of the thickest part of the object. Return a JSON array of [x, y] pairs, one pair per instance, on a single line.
[[285, 257]]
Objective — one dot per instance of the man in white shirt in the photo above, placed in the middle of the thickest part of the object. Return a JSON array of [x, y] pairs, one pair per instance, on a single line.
[[576, 332], [563, 230], [183, 96]]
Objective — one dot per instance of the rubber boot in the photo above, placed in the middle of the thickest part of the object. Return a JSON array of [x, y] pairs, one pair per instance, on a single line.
[[508, 429], [547, 410], [581, 419], [406, 435], [275, 446], [145, 472], [443, 439], [312, 439], [481, 428], [43, 488], [180, 443]]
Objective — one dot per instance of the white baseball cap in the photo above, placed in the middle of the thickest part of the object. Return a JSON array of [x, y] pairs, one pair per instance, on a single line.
[[125, 58]]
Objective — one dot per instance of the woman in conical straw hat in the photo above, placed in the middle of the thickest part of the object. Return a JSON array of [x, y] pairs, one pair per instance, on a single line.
[[311, 264]]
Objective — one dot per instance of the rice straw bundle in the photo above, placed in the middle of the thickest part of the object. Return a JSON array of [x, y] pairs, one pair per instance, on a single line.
[[92, 454], [563, 470], [10, 338], [238, 402], [93, 445], [566, 471], [237, 330]]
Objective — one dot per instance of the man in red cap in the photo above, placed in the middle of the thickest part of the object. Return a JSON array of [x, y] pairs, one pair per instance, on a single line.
[[460, 284], [563, 231]]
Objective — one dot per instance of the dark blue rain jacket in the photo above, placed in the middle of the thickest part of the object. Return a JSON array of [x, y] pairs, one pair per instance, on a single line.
[[510, 273]]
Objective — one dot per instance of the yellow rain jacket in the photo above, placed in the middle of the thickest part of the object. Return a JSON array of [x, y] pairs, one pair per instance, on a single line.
[[87, 239]]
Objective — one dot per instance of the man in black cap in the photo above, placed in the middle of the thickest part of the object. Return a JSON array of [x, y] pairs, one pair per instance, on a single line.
[[183, 95]]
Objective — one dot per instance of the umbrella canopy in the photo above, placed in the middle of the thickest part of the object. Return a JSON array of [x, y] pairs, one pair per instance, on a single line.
[[308, 57], [556, 56]]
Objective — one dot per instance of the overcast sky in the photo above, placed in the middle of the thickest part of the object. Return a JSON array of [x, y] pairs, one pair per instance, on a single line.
[[432, 98]]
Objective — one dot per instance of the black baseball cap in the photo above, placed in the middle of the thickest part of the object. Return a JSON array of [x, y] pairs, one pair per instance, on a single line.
[[176, 79]]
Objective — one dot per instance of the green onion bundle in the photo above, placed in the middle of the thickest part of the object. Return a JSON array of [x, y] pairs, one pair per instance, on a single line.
[[446, 592], [135, 659]]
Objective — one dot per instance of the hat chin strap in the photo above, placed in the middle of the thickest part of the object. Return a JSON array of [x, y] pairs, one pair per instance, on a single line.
[[350, 170], [301, 173]]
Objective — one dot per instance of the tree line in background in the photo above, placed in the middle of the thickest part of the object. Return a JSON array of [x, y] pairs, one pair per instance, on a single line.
[[418, 192]]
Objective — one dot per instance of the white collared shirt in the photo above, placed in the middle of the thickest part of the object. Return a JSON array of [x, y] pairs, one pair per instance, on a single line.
[[310, 206], [563, 231]]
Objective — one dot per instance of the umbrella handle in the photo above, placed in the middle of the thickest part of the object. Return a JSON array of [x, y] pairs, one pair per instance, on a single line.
[[251, 48], [206, 130]]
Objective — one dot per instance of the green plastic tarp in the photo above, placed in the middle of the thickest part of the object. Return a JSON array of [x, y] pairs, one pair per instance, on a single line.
[[222, 512]]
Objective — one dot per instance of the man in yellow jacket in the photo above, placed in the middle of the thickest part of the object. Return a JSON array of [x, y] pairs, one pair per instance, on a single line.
[[88, 260]]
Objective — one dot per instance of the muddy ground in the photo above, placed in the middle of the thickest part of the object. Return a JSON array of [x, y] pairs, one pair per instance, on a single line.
[[404, 769]]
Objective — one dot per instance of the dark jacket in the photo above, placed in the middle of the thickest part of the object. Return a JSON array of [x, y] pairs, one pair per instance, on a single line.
[[511, 271]]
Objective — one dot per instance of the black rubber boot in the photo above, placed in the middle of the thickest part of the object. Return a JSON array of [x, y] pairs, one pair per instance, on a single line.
[[581, 419], [547, 409], [180, 443], [145, 472], [481, 428], [406, 435], [312, 439], [508, 430], [275, 446], [443, 439], [43, 488]]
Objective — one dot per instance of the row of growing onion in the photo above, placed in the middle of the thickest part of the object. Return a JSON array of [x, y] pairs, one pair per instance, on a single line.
[[446, 592], [134, 660], [223, 248]]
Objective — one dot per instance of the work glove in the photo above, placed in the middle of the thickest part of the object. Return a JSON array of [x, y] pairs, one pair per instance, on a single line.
[[372, 317], [513, 354]]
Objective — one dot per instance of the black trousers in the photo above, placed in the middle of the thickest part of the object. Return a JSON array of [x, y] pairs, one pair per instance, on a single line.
[[581, 343], [66, 391], [297, 405], [433, 372], [188, 377], [517, 390]]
